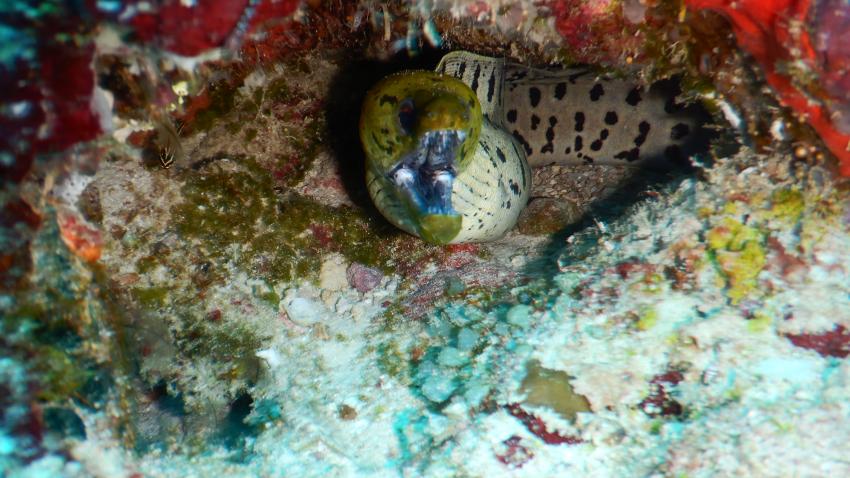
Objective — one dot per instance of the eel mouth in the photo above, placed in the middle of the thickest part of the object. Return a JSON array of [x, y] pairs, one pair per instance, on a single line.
[[424, 178]]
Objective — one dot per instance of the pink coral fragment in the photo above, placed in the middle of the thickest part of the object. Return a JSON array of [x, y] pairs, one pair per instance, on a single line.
[[538, 427], [515, 455], [659, 402]]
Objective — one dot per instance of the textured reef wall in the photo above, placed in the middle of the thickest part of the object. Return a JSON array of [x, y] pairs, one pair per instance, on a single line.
[[194, 282]]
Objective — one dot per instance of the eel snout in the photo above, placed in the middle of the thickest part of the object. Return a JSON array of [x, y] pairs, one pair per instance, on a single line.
[[425, 178]]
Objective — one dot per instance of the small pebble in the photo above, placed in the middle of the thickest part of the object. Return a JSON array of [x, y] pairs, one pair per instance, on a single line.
[[363, 278], [347, 413], [333, 273], [547, 216], [438, 388], [303, 311], [451, 357], [520, 315], [466, 339]]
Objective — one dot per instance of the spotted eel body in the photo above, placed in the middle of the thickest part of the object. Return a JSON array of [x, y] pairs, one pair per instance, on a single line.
[[448, 160], [572, 116]]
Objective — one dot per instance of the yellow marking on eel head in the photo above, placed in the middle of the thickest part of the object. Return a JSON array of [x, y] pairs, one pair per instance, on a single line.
[[403, 106]]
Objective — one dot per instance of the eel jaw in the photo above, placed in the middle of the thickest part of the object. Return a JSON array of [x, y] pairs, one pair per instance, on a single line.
[[424, 178]]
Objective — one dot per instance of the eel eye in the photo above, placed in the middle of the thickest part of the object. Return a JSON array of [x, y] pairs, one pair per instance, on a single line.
[[407, 116]]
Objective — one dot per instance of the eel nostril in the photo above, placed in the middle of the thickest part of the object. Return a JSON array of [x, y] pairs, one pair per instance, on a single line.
[[407, 116]]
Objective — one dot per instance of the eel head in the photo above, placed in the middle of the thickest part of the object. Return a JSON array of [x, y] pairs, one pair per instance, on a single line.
[[419, 131]]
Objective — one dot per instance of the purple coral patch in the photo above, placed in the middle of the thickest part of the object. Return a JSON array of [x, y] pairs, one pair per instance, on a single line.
[[363, 278], [538, 427], [835, 343], [659, 402], [515, 454]]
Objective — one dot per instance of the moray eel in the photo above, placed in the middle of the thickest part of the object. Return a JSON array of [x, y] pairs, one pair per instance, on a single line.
[[448, 153]]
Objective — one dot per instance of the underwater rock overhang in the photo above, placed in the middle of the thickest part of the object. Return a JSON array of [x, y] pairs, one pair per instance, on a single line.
[[206, 341]]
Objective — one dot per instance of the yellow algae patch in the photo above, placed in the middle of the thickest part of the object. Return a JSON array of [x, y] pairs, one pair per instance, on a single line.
[[551, 388], [648, 318], [740, 254], [759, 323]]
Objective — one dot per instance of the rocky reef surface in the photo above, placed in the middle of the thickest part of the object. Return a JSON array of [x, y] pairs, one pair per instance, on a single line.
[[193, 281]]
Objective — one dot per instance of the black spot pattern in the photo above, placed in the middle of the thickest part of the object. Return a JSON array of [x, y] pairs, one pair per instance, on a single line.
[[387, 99], [491, 86], [596, 145], [560, 90], [475, 76], [630, 155], [596, 92], [501, 155], [514, 187], [461, 69], [549, 147], [534, 96], [643, 128], [511, 116], [484, 146], [679, 131], [579, 117], [611, 118], [535, 120], [578, 143], [634, 96], [671, 107], [518, 74], [523, 142], [385, 148]]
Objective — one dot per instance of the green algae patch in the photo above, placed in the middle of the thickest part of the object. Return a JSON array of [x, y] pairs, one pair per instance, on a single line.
[[234, 212], [61, 373], [151, 297], [220, 98], [393, 361], [270, 297], [740, 254], [551, 388], [234, 344], [278, 90], [146, 264]]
